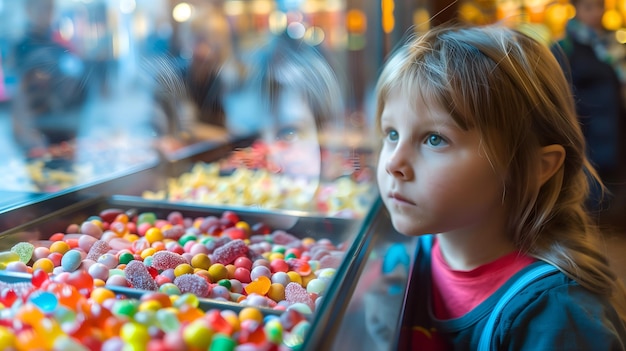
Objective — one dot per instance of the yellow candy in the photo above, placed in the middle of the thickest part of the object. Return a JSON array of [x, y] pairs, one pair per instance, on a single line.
[[154, 234], [147, 252], [276, 292], [60, 247], [44, 264], [198, 334], [150, 305], [243, 225], [7, 339], [131, 237], [307, 278], [135, 333], [218, 272], [201, 261], [184, 268], [99, 295], [276, 255], [295, 277], [250, 313]]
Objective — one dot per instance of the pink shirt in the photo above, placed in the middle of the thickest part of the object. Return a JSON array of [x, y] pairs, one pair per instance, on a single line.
[[457, 292]]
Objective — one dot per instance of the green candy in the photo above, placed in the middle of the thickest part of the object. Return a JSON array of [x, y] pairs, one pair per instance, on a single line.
[[222, 342], [24, 250]]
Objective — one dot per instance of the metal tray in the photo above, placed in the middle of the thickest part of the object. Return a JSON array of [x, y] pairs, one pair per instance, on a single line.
[[335, 229]]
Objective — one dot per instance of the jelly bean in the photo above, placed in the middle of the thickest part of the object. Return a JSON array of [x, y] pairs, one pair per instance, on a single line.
[[181, 269], [201, 260], [316, 286], [153, 234], [71, 260], [108, 260], [99, 271], [91, 229], [57, 236], [60, 247], [218, 272], [126, 257]]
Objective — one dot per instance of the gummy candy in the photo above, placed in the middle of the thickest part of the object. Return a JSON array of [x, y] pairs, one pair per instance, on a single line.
[[139, 277], [163, 260], [227, 253], [191, 283]]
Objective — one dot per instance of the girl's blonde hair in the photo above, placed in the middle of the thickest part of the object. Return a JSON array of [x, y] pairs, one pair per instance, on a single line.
[[511, 89]]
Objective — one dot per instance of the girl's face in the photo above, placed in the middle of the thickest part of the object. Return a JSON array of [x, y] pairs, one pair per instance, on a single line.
[[294, 136], [433, 176]]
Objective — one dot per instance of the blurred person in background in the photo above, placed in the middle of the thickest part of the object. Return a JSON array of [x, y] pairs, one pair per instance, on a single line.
[[46, 107], [595, 63]]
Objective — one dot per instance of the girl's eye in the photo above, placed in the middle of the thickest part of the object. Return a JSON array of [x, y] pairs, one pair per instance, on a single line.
[[393, 135], [287, 134], [435, 140]]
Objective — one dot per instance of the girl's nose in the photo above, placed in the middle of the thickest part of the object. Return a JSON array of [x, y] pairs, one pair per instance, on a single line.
[[398, 165]]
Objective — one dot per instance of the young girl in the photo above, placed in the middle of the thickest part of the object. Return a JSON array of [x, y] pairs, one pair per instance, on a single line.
[[482, 149]]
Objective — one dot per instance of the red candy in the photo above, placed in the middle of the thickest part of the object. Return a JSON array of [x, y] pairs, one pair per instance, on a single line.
[[139, 277]]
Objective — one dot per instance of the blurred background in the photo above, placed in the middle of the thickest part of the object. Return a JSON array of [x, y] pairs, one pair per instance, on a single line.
[[122, 81]]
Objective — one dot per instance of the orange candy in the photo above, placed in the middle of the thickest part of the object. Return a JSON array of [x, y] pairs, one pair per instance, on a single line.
[[260, 286]]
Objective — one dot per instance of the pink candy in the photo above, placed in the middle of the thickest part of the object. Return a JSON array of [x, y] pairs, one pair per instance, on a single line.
[[229, 252], [139, 277], [174, 232], [281, 237], [191, 283], [294, 293], [163, 260], [98, 249]]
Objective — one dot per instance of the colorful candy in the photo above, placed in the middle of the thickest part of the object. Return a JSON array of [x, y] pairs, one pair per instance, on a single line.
[[139, 277]]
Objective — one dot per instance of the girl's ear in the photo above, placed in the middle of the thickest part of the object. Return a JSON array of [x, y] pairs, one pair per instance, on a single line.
[[552, 158]]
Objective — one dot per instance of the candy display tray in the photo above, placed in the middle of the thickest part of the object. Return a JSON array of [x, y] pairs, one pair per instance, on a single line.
[[335, 229]]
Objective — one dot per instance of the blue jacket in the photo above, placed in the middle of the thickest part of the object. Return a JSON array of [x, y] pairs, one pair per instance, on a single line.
[[553, 313]]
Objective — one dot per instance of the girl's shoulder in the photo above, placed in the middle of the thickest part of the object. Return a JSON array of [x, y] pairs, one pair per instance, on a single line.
[[556, 312]]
